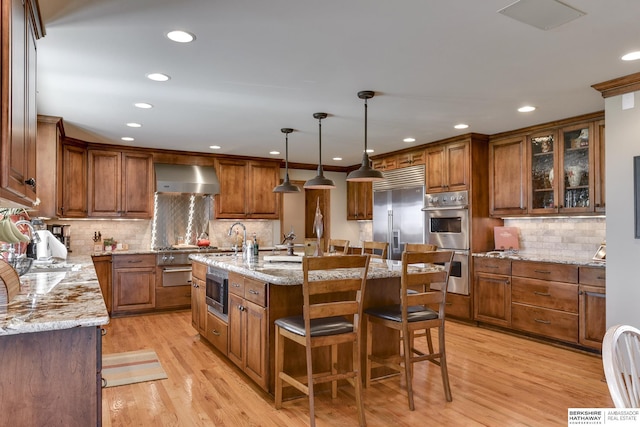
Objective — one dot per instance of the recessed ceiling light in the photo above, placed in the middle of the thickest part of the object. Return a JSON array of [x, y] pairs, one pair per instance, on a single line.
[[369, 150], [631, 56], [214, 147], [158, 77], [409, 140], [274, 153], [181, 36], [127, 138], [134, 125], [526, 109], [461, 126], [337, 159], [143, 105]]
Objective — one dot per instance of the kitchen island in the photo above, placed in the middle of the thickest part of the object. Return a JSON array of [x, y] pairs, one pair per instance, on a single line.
[[260, 293], [50, 347]]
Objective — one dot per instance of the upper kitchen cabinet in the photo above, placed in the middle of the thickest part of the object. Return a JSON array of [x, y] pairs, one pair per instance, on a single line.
[[120, 184], [507, 172], [72, 181], [543, 159], [21, 27], [411, 158], [359, 200], [549, 169], [447, 167], [246, 189], [385, 163], [48, 150]]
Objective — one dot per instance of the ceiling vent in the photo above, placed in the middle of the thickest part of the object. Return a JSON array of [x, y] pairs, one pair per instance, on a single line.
[[543, 14]]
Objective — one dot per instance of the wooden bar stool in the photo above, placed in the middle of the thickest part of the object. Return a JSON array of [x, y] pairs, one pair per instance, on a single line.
[[412, 314], [375, 249], [420, 247], [337, 246], [332, 311]]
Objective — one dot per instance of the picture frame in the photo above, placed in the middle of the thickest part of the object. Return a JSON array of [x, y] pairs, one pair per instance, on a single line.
[[601, 253]]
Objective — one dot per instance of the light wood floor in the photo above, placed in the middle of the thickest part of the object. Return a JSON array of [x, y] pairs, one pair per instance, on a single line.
[[496, 379]]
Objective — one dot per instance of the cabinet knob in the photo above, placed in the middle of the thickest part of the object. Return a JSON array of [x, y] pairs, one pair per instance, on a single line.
[[31, 182]]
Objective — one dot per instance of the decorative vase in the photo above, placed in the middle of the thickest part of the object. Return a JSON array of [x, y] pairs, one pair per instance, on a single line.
[[574, 175]]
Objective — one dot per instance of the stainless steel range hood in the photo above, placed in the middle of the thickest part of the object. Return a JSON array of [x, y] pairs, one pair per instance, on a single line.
[[186, 179]]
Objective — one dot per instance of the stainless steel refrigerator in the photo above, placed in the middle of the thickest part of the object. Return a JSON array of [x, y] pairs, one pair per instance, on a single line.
[[398, 218]]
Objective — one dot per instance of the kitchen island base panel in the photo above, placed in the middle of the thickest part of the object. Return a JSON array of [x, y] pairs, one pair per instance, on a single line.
[[52, 378]]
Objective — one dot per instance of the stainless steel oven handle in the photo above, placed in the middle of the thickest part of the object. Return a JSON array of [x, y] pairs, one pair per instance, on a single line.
[[176, 270], [446, 208]]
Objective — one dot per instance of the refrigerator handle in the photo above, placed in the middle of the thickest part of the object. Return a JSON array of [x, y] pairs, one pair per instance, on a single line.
[[390, 230]]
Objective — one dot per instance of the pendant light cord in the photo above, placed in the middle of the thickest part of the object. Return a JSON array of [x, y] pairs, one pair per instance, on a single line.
[[365, 125], [319, 146]]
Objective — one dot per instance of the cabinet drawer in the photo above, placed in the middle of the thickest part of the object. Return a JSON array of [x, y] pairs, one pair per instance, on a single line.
[[199, 270], [492, 265], [545, 271], [558, 296], [255, 292], [133, 261], [236, 284], [175, 296], [594, 276], [550, 323], [217, 332], [458, 306]]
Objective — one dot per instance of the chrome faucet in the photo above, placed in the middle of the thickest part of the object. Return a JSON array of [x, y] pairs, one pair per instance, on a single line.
[[244, 240], [34, 236]]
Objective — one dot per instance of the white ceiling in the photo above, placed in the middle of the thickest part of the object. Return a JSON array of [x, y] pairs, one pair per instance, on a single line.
[[257, 66]]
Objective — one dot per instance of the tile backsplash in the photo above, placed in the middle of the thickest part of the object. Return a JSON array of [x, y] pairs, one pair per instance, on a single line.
[[564, 237], [135, 233]]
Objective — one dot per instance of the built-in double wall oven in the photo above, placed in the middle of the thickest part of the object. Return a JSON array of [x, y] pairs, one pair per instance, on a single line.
[[447, 226]]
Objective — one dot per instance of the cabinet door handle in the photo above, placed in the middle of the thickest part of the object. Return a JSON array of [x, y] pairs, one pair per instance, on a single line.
[[235, 285], [491, 266], [254, 292], [216, 333], [104, 382], [592, 294], [134, 261], [546, 322], [31, 182], [490, 279], [542, 294], [542, 271], [241, 308], [103, 331]]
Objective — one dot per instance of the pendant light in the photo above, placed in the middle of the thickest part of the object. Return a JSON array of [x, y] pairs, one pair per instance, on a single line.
[[365, 173], [320, 182], [286, 186]]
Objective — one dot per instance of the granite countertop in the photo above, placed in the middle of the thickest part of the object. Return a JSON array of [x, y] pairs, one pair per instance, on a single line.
[[288, 273], [51, 299], [523, 256]]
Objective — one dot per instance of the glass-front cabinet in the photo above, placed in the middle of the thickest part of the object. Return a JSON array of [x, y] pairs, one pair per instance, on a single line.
[[577, 164], [560, 165], [542, 164]]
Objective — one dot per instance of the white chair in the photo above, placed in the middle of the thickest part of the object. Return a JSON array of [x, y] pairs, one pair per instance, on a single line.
[[621, 362]]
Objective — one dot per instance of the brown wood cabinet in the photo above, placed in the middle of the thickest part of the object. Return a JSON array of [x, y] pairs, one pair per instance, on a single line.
[[492, 291], [447, 167], [549, 170], [564, 302], [246, 189], [21, 27], [359, 200], [134, 280], [593, 307], [385, 163], [120, 184], [545, 299], [412, 158], [102, 264], [507, 173], [49, 150], [52, 378], [248, 327], [198, 294], [72, 181]]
